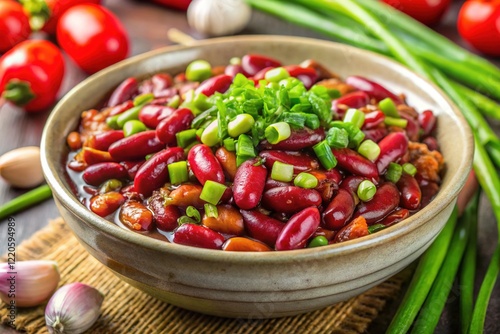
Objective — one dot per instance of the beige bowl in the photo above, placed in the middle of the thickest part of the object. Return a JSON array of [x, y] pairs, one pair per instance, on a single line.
[[264, 285]]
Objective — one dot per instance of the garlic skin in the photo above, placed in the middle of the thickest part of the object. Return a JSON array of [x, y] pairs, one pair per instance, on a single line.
[[218, 17], [73, 309], [31, 285], [21, 167]]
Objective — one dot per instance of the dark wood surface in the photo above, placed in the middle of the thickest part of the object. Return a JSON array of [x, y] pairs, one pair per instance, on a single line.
[[147, 25]]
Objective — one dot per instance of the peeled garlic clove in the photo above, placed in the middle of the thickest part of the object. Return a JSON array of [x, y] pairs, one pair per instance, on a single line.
[[22, 167], [73, 309], [28, 283], [218, 17]]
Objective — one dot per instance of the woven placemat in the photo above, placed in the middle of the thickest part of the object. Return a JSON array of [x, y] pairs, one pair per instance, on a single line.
[[128, 310]]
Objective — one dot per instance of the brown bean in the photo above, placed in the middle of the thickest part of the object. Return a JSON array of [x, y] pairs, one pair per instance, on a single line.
[[74, 141], [186, 195], [136, 216], [228, 221], [227, 160], [241, 244], [355, 229], [106, 204]]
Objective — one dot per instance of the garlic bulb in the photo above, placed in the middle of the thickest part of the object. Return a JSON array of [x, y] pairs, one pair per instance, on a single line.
[[218, 17], [28, 283], [73, 309], [21, 167]]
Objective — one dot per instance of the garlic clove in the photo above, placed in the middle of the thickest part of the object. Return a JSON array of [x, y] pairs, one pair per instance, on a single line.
[[28, 283], [218, 17], [22, 167], [73, 309]]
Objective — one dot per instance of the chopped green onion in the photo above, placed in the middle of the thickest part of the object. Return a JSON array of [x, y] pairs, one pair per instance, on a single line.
[[282, 172], [277, 132], [198, 70], [356, 138], [245, 146], [318, 241], [174, 102], [143, 99], [394, 172], [186, 137], [337, 138], [193, 212], [211, 210], [200, 102], [230, 144], [366, 190], [388, 107], [305, 180], [186, 220], [276, 74], [325, 155], [131, 114], [355, 117], [295, 119], [210, 135], [178, 172], [112, 122], [409, 169], [242, 158], [242, 123], [376, 228], [110, 185], [369, 149], [132, 127], [312, 121], [399, 122], [235, 61], [148, 156], [212, 192]]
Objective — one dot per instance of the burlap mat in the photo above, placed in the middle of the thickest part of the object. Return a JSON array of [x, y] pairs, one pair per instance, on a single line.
[[128, 310]]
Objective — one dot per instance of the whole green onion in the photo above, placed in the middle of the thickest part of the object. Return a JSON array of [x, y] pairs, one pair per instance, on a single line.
[[25, 200]]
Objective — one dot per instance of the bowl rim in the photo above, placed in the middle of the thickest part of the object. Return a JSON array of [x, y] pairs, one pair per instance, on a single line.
[[442, 200]]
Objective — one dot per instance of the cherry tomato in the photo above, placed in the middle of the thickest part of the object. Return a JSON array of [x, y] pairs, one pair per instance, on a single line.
[[177, 4], [31, 74], [14, 25], [428, 12], [479, 24], [92, 36]]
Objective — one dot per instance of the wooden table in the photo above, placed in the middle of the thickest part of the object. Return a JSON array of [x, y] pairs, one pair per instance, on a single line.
[[147, 25]]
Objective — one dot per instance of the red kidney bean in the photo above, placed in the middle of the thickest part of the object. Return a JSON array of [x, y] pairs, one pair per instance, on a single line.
[[355, 163], [339, 211], [351, 184], [219, 83], [205, 165], [102, 141], [151, 114], [161, 85], [429, 190], [328, 183], [132, 167], [298, 229], [136, 216], [248, 185], [290, 199], [271, 183], [323, 72], [253, 63], [373, 89], [116, 110], [154, 172], [301, 162], [92, 156], [412, 129], [385, 200], [298, 140], [261, 74], [395, 217], [125, 91], [355, 229], [427, 121], [105, 204], [262, 227], [136, 147], [334, 175], [376, 134], [178, 121], [198, 236], [411, 195], [232, 70], [165, 216], [373, 119], [98, 173], [307, 75], [356, 100], [431, 143], [392, 147]]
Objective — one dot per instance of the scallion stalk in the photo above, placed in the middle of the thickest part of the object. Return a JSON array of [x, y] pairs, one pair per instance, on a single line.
[[25, 200]]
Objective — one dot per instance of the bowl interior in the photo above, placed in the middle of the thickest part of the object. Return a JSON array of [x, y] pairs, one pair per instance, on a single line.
[[453, 133]]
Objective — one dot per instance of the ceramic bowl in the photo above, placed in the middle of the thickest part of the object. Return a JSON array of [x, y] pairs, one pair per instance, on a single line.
[[263, 285]]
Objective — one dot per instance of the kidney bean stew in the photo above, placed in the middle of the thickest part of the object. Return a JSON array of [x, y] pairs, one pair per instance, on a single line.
[[254, 156]]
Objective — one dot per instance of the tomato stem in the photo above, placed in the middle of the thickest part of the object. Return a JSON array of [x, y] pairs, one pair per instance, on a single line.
[[38, 11], [18, 92]]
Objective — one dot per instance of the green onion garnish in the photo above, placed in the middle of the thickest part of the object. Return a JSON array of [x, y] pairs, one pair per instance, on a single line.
[[355, 117], [210, 135], [277, 132], [211, 210], [366, 190], [394, 172], [356, 138], [388, 107], [242, 123], [212, 192], [230, 144], [276, 74], [337, 138], [376, 228], [282, 172], [178, 172], [325, 155], [143, 99], [369, 149], [305, 180], [399, 122], [193, 212], [312, 121], [410, 169], [186, 137], [245, 146]]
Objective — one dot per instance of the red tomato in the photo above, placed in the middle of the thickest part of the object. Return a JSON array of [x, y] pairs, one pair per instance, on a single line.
[[31, 74], [14, 24], [479, 24], [428, 12], [92, 36]]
